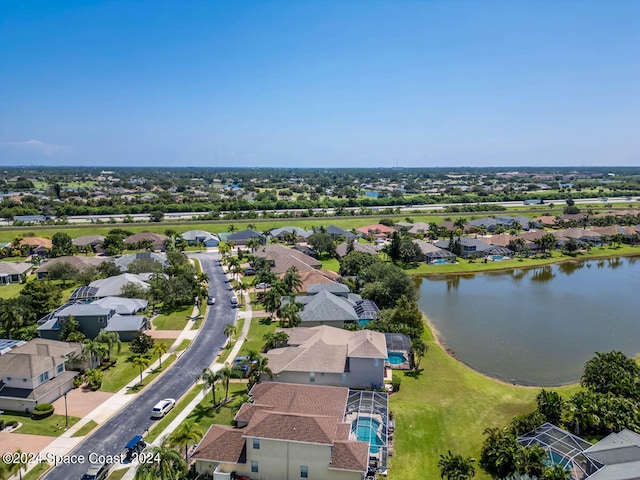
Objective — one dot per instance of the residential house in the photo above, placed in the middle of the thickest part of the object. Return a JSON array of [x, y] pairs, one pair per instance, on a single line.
[[286, 431], [377, 230], [343, 249], [35, 372], [242, 237], [124, 261], [473, 246], [434, 255], [108, 287], [37, 245], [78, 263], [312, 276], [282, 258], [156, 240], [337, 233], [285, 233], [91, 318], [419, 228], [14, 272], [326, 355], [580, 235], [333, 304], [94, 242], [200, 237]]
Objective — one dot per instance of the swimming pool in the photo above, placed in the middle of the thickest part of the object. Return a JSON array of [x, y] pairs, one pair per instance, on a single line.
[[366, 430], [396, 358]]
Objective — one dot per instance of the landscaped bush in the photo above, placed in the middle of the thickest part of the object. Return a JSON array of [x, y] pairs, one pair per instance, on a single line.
[[1, 424], [12, 424], [396, 380], [41, 411]]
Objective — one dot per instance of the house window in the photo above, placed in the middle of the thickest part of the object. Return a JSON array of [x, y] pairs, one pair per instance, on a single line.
[[60, 368], [254, 466], [312, 377], [44, 377], [256, 444], [304, 471]]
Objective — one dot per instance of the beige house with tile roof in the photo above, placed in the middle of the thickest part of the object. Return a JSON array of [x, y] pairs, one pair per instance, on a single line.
[[287, 431], [325, 355], [14, 272], [281, 258], [35, 372]]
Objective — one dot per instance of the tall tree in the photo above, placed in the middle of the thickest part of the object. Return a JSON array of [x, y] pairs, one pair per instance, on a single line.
[[550, 405], [62, 244], [170, 466], [142, 362], [292, 280], [160, 348], [186, 434], [111, 339], [210, 378]]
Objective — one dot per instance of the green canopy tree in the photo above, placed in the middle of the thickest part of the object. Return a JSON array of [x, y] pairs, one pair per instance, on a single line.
[[456, 467], [186, 434]]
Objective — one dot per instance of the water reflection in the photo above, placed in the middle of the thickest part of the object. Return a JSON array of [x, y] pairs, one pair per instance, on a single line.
[[539, 332], [542, 274]]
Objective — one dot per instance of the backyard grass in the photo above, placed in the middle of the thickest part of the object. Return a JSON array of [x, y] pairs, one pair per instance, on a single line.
[[330, 264], [37, 471], [447, 406], [255, 341], [52, 426], [478, 266], [174, 321], [151, 376], [85, 429], [159, 426], [11, 290]]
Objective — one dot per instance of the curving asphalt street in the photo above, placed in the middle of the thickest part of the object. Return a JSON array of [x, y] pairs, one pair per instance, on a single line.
[[111, 437]]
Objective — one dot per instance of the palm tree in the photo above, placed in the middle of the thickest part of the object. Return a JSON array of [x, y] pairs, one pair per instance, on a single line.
[[254, 244], [224, 248], [272, 301], [226, 374], [160, 348], [94, 349], [292, 279], [171, 466], [456, 467], [260, 367], [251, 226], [210, 378], [111, 339], [141, 362], [229, 330], [290, 313], [556, 472], [187, 433], [17, 465], [232, 228]]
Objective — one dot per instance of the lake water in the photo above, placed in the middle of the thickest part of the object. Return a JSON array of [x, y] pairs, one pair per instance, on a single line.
[[537, 326]]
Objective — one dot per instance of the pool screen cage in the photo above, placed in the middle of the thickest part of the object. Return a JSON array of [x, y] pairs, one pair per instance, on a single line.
[[563, 448], [397, 342], [363, 407]]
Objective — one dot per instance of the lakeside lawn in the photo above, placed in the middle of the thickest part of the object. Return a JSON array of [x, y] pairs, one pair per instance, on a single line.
[[447, 406], [52, 426], [174, 321], [478, 266]]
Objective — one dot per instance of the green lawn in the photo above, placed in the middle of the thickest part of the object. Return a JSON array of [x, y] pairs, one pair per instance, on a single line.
[[117, 474], [183, 345], [37, 471], [224, 354], [52, 426], [85, 429], [330, 264], [154, 373], [174, 321], [123, 372], [465, 266], [11, 290], [447, 407], [205, 416], [259, 327], [159, 426]]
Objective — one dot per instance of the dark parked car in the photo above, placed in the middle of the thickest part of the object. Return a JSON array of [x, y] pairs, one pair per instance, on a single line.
[[249, 272]]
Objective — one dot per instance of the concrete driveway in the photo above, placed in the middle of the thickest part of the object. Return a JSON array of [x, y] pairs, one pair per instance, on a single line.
[[80, 402], [11, 442]]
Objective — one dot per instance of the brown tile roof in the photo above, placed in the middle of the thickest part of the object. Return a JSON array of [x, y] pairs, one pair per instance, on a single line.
[[376, 229], [303, 399], [350, 455], [283, 257], [292, 426], [156, 238], [37, 242], [79, 262], [311, 276], [222, 444], [341, 250]]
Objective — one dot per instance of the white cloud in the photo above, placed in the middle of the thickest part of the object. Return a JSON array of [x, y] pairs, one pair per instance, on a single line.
[[39, 146]]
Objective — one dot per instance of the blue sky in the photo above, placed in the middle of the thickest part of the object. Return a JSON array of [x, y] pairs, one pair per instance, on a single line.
[[320, 83]]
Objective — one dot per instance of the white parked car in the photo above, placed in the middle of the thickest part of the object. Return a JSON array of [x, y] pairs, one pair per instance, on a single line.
[[234, 301], [162, 407]]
